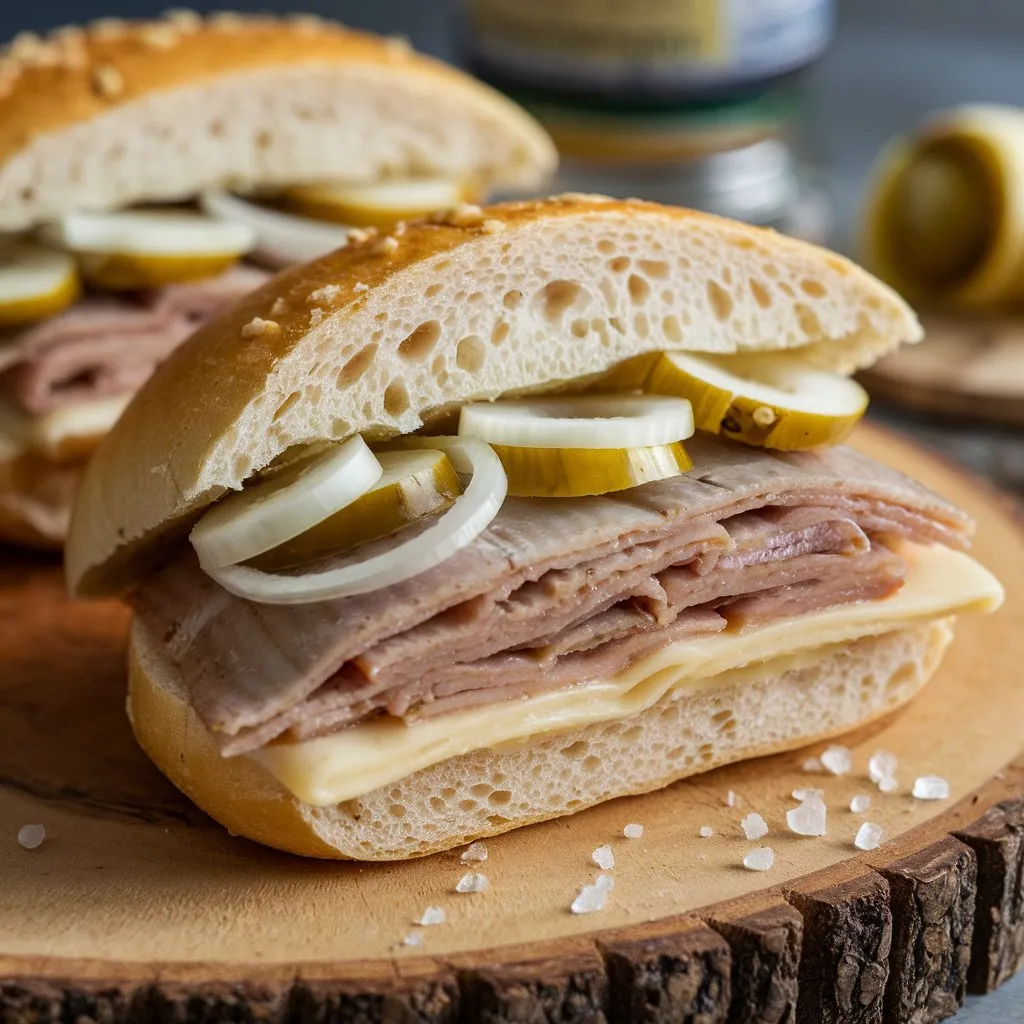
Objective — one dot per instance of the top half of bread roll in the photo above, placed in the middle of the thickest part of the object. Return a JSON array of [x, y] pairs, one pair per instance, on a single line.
[[120, 113]]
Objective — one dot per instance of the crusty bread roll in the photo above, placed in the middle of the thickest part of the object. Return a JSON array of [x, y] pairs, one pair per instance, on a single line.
[[387, 334], [120, 113], [762, 709]]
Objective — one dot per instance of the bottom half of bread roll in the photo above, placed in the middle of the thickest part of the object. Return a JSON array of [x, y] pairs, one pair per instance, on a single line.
[[417, 787]]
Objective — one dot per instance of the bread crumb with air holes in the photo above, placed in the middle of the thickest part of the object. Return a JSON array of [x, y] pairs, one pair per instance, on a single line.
[[257, 326]]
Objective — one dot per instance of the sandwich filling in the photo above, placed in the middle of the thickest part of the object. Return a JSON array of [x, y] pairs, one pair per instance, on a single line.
[[554, 594]]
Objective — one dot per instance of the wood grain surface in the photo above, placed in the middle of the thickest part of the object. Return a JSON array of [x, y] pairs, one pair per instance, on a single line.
[[139, 908], [970, 368]]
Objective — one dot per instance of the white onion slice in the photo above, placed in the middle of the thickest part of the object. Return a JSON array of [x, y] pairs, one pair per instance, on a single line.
[[580, 421], [149, 233], [282, 238], [245, 524], [459, 526]]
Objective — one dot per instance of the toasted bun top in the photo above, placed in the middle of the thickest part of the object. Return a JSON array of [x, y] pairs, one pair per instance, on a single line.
[[394, 331], [128, 112]]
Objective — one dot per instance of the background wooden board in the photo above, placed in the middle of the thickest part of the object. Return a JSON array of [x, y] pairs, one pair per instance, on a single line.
[[967, 367], [138, 907]]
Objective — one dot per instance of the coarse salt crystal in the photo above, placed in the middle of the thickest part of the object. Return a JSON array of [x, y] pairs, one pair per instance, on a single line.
[[258, 326], [386, 246], [706, 831], [930, 787], [810, 818], [754, 826], [869, 836], [730, 799], [812, 764], [603, 857], [432, 915], [760, 859], [590, 899], [360, 286], [31, 836], [605, 882], [860, 803], [280, 307], [413, 939], [327, 293], [474, 852], [888, 784], [803, 794], [633, 831], [837, 759], [882, 765], [473, 881]]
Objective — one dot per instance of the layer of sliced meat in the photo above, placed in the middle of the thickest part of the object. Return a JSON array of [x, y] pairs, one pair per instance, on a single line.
[[109, 345], [745, 522]]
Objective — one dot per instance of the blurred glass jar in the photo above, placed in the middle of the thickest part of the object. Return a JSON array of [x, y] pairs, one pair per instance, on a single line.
[[695, 102]]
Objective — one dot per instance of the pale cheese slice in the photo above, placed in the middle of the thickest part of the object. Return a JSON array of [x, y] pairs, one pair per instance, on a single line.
[[346, 765]]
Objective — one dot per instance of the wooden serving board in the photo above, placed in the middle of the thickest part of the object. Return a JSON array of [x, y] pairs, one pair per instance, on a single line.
[[137, 907], [968, 367]]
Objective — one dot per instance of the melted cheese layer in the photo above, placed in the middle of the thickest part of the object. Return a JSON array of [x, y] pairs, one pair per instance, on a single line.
[[357, 760]]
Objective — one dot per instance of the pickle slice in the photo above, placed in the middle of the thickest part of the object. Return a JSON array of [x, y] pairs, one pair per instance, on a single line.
[[35, 283], [138, 249], [414, 484], [123, 272], [771, 400], [577, 472], [379, 205]]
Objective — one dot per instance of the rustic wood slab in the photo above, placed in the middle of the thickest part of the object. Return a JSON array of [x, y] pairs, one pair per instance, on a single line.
[[970, 368], [139, 908]]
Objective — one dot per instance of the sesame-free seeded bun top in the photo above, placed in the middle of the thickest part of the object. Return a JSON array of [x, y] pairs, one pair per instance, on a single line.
[[395, 331], [120, 113]]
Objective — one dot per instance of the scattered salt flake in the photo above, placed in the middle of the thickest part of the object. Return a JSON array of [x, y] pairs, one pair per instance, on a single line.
[[432, 915], [812, 764], [882, 765], [605, 882], [930, 787], [803, 794], [754, 826], [869, 836], [888, 784], [31, 836], [590, 899], [760, 859], [473, 881], [474, 853], [706, 831], [837, 759], [730, 799], [860, 803], [633, 831], [809, 819], [603, 857], [413, 939]]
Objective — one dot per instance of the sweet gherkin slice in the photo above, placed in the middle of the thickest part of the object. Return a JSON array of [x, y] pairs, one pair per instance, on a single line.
[[772, 400], [576, 472]]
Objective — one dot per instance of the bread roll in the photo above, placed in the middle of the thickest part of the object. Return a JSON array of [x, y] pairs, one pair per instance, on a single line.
[[393, 332], [125, 112], [771, 707]]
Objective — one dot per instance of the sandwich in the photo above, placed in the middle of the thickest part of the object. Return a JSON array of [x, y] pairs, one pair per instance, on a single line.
[[454, 531], [146, 168]]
